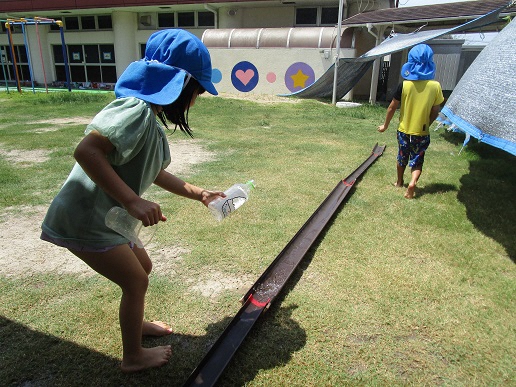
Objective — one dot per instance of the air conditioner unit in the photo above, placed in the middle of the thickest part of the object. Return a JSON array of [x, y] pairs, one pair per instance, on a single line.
[[146, 20]]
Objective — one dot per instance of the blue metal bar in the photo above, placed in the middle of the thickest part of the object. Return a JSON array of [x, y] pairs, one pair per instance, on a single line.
[[27, 50], [65, 58]]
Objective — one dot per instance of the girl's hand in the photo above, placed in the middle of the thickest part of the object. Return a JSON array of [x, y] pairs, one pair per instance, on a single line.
[[209, 196], [146, 211]]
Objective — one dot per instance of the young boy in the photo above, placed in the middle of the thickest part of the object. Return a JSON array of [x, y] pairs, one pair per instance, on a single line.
[[420, 97]]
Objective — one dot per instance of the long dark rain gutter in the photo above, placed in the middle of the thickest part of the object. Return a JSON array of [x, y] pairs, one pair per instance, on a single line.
[[272, 281]]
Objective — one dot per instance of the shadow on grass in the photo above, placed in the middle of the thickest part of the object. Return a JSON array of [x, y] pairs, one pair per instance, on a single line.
[[271, 343], [32, 358], [435, 188], [488, 192]]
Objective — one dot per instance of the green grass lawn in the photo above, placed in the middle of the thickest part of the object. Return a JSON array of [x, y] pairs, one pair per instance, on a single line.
[[394, 291]]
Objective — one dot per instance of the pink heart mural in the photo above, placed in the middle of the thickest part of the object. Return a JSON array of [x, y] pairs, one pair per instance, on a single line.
[[244, 76]]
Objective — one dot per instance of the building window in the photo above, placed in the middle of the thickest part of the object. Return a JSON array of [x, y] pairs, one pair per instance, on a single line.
[[104, 22], [88, 22], [22, 63], [74, 23], [306, 16], [91, 53], [91, 63], [107, 53], [317, 16], [205, 19], [166, 20], [329, 16], [186, 19], [183, 19], [71, 23]]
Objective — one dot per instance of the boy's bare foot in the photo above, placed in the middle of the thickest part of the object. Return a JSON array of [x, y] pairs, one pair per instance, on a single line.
[[147, 358], [155, 328], [398, 184], [410, 191]]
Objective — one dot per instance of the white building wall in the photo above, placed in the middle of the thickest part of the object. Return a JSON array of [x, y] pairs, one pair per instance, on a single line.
[[126, 47], [268, 17], [271, 67]]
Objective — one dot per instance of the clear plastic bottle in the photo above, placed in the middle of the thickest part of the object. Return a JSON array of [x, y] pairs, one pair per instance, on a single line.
[[236, 195], [119, 220]]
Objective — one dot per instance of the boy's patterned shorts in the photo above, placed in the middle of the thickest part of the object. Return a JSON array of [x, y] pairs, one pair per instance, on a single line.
[[411, 149]]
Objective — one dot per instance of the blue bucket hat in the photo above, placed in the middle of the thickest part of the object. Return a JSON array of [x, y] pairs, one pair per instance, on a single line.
[[420, 65], [171, 57]]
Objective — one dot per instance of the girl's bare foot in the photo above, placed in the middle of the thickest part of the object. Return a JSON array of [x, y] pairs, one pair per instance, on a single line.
[[410, 191], [155, 328], [147, 358]]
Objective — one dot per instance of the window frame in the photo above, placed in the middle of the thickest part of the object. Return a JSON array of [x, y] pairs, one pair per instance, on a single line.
[[318, 18], [101, 65], [80, 24], [177, 24]]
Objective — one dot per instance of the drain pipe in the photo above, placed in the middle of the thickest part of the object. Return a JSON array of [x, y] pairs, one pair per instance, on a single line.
[[376, 64], [215, 13]]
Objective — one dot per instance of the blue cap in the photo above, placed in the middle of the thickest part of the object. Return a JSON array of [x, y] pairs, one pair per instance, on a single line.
[[420, 65], [170, 57]]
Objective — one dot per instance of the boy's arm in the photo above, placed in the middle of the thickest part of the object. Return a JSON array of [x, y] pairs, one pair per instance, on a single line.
[[390, 113], [434, 112]]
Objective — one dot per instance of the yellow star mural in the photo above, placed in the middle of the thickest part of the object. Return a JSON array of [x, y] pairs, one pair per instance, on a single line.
[[299, 78]]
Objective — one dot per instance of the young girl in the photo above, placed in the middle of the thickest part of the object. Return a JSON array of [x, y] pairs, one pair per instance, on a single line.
[[124, 151]]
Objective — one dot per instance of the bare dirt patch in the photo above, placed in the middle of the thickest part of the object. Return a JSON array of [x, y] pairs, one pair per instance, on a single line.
[[186, 154], [214, 283], [58, 123], [23, 253], [24, 157], [63, 121]]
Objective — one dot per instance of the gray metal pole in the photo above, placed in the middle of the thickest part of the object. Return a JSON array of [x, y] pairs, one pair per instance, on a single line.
[[337, 56]]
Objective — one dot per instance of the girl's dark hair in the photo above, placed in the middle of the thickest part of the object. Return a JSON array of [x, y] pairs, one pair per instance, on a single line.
[[177, 111]]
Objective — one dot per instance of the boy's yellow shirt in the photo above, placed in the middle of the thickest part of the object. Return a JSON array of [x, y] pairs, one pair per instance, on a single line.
[[417, 100]]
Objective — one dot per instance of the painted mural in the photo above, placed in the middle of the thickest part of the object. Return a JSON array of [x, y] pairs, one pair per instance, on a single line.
[[245, 76]]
